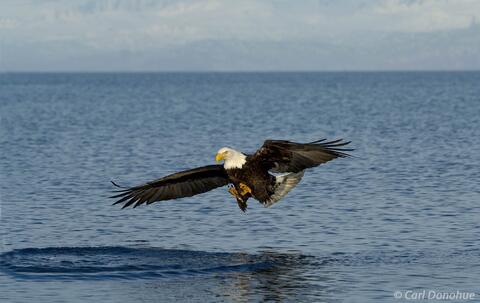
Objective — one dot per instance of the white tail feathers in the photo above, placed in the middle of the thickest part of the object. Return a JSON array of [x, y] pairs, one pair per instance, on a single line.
[[283, 185]]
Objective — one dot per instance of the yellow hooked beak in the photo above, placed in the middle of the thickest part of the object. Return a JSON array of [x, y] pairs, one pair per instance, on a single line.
[[220, 157]]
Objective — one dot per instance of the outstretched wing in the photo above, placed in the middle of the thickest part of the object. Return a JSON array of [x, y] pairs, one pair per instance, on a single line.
[[179, 185], [284, 156]]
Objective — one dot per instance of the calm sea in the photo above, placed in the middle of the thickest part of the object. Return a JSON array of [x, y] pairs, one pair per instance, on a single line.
[[403, 215]]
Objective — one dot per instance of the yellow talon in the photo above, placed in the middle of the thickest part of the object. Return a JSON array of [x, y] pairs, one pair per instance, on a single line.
[[244, 189], [241, 201], [233, 191]]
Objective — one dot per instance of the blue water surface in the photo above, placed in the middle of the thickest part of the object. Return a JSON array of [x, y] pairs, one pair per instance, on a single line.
[[404, 214]]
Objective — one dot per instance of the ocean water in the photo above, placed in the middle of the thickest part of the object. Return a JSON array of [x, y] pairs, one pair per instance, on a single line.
[[402, 215]]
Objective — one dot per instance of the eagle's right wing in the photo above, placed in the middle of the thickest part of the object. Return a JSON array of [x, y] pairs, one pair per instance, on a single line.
[[178, 185], [284, 156]]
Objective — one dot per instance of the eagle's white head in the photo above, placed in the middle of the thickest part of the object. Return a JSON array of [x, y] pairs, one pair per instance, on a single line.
[[232, 158]]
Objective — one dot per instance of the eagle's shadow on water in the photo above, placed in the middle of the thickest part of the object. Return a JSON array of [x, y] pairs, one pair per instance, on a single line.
[[269, 275]]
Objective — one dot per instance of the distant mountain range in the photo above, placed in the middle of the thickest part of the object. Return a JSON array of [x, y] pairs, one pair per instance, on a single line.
[[457, 49]]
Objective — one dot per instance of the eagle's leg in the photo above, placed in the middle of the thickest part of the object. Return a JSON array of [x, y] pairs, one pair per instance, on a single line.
[[242, 203], [244, 189], [233, 191]]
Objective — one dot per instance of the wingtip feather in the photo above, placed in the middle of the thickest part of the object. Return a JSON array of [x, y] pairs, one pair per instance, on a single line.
[[115, 184]]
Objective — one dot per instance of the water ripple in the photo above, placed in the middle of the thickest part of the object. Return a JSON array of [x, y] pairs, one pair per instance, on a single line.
[[127, 263]]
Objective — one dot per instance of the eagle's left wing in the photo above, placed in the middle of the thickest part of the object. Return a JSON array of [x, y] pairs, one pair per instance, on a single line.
[[179, 185], [282, 156]]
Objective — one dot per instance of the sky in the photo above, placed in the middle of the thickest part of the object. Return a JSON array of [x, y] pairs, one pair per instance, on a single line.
[[228, 35]]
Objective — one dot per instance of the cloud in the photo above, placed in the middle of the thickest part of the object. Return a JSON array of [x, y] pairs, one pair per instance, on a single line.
[[7, 23], [427, 15], [124, 28], [182, 9]]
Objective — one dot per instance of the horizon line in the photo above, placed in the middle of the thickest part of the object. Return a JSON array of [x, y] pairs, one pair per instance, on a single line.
[[235, 71]]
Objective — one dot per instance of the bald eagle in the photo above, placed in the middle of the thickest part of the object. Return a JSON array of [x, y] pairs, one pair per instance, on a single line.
[[267, 175]]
